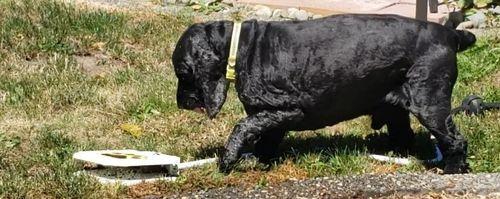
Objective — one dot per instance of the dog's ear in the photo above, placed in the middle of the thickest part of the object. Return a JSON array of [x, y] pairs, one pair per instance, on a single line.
[[214, 94], [210, 54], [212, 78], [212, 51]]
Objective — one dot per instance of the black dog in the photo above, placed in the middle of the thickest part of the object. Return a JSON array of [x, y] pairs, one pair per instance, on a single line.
[[310, 74]]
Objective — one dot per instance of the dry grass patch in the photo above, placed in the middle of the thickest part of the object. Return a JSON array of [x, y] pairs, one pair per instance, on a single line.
[[208, 178]]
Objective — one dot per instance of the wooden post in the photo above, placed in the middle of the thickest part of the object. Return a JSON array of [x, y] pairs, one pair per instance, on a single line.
[[421, 10], [433, 6]]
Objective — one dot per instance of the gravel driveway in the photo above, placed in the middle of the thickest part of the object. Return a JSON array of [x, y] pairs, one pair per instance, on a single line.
[[421, 185]]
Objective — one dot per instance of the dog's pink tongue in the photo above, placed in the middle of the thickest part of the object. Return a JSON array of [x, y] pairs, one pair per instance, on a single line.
[[199, 110]]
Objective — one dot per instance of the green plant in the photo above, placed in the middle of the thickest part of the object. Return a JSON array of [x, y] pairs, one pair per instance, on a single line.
[[7, 143], [206, 7], [476, 3]]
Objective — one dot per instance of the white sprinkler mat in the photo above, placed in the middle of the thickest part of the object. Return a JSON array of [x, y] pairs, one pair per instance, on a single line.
[[126, 158], [131, 167], [125, 178]]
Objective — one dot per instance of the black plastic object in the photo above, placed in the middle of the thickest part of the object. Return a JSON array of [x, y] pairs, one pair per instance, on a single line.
[[473, 105]]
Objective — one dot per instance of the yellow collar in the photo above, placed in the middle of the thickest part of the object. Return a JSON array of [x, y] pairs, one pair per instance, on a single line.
[[233, 51]]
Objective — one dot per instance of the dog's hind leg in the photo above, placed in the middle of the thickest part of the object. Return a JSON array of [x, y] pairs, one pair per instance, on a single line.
[[429, 88], [251, 128], [266, 148]]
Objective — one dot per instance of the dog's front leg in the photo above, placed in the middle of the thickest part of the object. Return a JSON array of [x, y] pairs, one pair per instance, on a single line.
[[250, 128]]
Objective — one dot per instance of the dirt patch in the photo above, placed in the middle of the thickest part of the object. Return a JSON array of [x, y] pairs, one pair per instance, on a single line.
[[98, 64], [113, 5], [496, 79]]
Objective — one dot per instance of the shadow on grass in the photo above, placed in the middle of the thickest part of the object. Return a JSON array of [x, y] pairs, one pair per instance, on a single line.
[[376, 143]]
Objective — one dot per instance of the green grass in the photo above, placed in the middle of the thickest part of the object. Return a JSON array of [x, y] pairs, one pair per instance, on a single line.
[[51, 107]]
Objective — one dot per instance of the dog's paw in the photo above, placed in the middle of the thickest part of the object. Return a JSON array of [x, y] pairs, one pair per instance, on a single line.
[[227, 163], [456, 168], [225, 168], [266, 157], [456, 164]]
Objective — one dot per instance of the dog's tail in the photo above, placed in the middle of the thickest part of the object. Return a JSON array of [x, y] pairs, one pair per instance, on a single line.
[[465, 39]]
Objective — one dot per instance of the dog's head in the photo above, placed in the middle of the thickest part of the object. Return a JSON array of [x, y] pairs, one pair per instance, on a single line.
[[200, 59]]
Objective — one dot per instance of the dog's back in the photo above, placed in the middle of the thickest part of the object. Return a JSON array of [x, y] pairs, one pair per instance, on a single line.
[[341, 67]]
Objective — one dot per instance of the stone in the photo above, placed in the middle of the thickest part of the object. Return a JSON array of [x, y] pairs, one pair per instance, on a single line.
[[196, 7], [302, 15], [209, 2], [277, 13], [310, 15], [479, 19], [291, 12], [152, 197], [317, 16], [295, 13], [226, 11], [184, 1], [495, 10], [168, 2], [263, 11], [465, 25]]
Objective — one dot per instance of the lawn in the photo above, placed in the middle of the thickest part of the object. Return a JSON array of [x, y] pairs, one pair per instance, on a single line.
[[71, 76]]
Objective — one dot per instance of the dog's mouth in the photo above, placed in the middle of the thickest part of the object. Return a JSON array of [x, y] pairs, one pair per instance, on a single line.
[[192, 104], [199, 110]]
